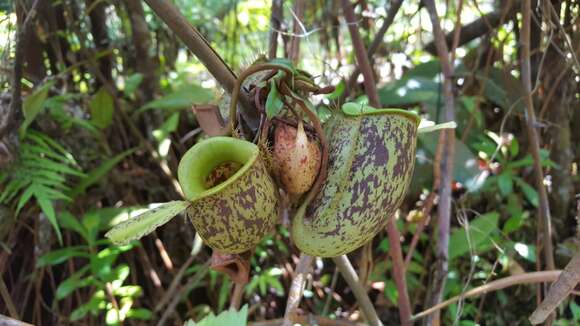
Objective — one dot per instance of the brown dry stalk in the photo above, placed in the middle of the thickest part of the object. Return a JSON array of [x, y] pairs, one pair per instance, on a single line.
[[297, 288], [544, 222], [559, 290], [527, 278], [435, 293]]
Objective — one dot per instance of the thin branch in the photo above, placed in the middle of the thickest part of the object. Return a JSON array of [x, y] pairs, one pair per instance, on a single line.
[[193, 281], [399, 272], [297, 288], [559, 290], [435, 294], [308, 320], [544, 223], [361, 54], [294, 46], [197, 44], [479, 27], [527, 278], [349, 275], [373, 47]]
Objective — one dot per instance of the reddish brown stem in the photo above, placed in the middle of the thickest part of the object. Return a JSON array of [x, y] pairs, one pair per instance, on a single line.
[[399, 272], [545, 222], [435, 294], [361, 54]]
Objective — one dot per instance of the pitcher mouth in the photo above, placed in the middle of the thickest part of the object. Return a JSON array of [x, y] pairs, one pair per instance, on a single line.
[[213, 164], [357, 110]]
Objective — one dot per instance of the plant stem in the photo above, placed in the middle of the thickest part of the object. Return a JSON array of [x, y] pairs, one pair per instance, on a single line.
[[349, 275], [361, 54], [197, 44], [297, 288], [237, 295], [527, 278], [399, 272], [544, 223], [559, 290], [435, 294]]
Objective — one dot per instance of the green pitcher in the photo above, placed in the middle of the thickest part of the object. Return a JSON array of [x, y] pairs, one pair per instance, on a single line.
[[371, 161], [230, 197]]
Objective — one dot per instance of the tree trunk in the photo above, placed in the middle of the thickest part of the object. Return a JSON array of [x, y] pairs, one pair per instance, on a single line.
[[145, 63]]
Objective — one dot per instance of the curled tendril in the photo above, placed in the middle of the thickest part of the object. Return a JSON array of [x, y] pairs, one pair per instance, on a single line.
[[238, 85]]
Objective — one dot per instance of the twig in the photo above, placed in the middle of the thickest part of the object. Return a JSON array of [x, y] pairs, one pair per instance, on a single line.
[[197, 44], [349, 274], [559, 290], [331, 292], [6, 321], [297, 288], [527, 278], [435, 294], [5, 294], [479, 27], [294, 46], [361, 54], [170, 293], [305, 320], [182, 293], [399, 272], [378, 39], [545, 223]]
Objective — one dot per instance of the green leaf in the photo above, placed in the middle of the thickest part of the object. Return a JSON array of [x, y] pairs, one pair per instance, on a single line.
[[59, 256], [410, 90], [140, 313], [132, 83], [162, 134], [33, 104], [145, 223], [229, 317], [68, 221], [183, 98], [530, 193], [338, 91], [47, 208], [102, 109], [129, 291], [98, 173], [466, 168], [505, 183], [79, 313], [273, 103], [514, 223], [479, 230], [72, 283]]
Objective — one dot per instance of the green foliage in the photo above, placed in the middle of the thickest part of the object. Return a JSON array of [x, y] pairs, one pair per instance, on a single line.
[[229, 317], [182, 98], [41, 173], [33, 105], [478, 230], [102, 109], [100, 272]]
